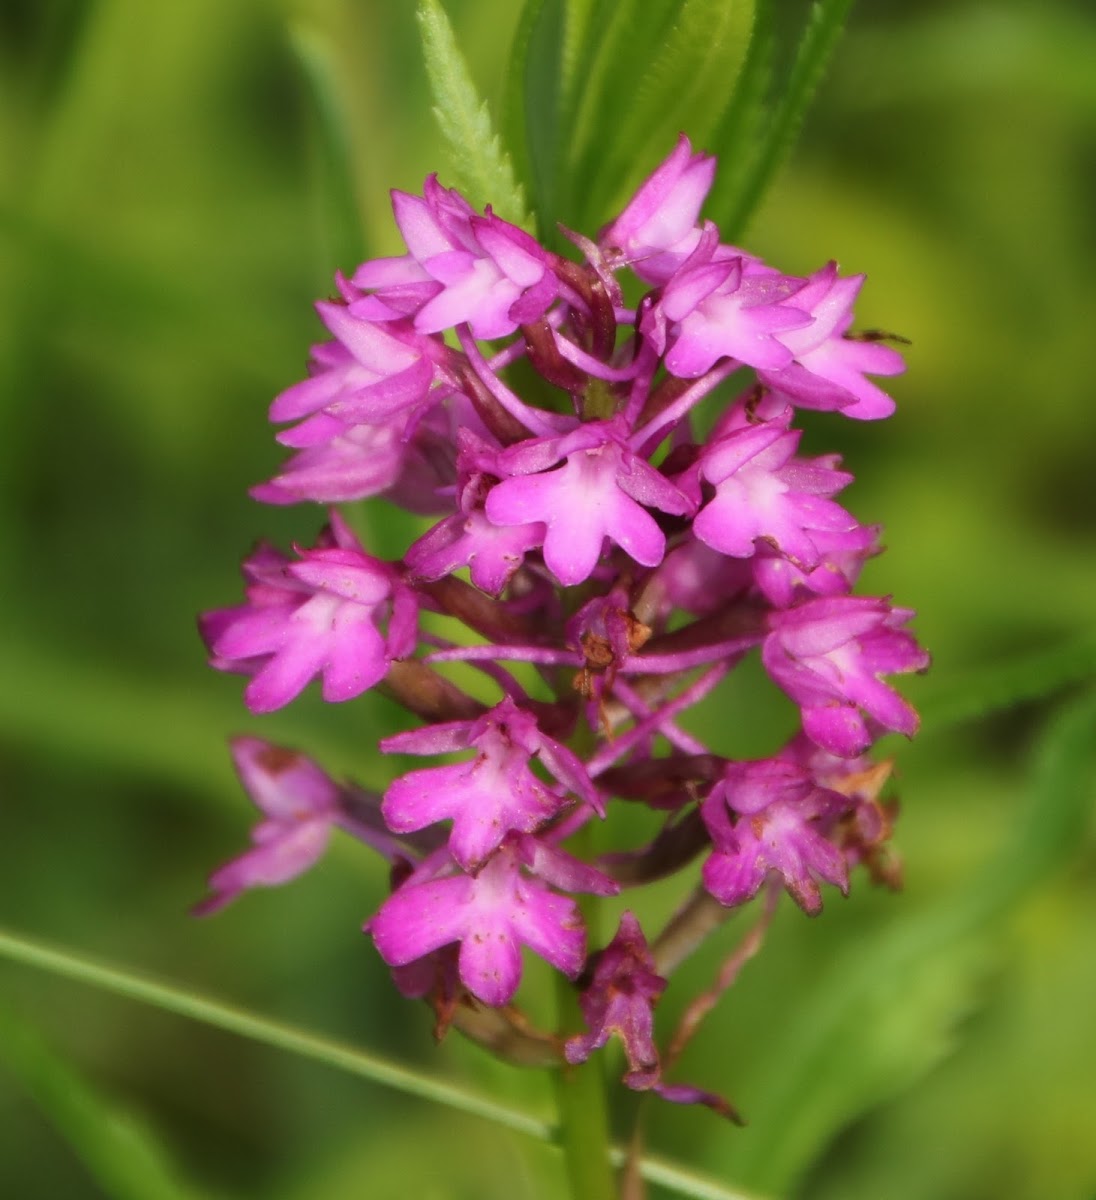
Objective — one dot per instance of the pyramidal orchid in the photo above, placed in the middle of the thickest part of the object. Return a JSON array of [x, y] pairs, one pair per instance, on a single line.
[[617, 511]]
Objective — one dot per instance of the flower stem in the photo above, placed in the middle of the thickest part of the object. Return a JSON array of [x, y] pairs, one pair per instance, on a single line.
[[582, 1113], [582, 1109]]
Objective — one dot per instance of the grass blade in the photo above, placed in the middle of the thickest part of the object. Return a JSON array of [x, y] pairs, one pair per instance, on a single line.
[[262, 1029], [827, 19], [341, 210], [327, 1051], [686, 85]]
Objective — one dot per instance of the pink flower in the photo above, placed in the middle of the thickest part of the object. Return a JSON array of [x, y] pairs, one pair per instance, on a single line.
[[829, 368], [493, 793], [763, 493], [829, 655], [715, 308], [408, 458], [319, 616], [337, 462], [842, 554], [492, 914], [770, 815], [300, 806], [619, 1002], [658, 230], [367, 374], [701, 581], [629, 538], [600, 492], [467, 538], [461, 268]]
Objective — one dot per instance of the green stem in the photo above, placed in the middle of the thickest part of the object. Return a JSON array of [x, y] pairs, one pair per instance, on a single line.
[[262, 1029], [582, 1109], [583, 1117]]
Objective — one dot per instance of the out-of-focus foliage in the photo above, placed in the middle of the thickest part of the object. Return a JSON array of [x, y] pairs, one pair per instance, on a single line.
[[177, 182]]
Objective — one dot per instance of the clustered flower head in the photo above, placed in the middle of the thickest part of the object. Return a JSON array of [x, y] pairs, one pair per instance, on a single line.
[[611, 564]]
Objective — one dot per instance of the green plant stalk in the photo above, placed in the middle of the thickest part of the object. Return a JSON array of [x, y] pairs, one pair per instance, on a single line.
[[581, 1106], [582, 1112], [273, 1033]]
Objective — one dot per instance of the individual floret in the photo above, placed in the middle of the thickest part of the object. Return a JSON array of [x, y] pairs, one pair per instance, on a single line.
[[830, 654], [336, 613]]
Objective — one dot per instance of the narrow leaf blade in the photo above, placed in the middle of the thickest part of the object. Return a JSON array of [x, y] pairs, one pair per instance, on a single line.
[[533, 100], [117, 1150], [481, 168], [185, 1003], [624, 38], [341, 212], [824, 26], [1001, 686], [68, 964], [686, 85], [739, 136]]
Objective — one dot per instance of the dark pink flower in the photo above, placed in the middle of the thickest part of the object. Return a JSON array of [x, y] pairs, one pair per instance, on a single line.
[[764, 493], [701, 581], [629, 539], [492, 914], [337, 462], [715, 308], [300, 805], [619, 1002], [468, 538], [770, 815], [842, 554], [829, 368], [602, 490], [322, 615], [489, 795], [366, 374], [461, 269], [658, 229], [830, 654]]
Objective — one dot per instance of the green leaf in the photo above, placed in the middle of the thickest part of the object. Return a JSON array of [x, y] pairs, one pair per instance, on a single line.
[[887, 1011], [686, 85], [579, 39], [341, 211], [551, 76], [183, 730], [873, 1029], [1058, 812], [824, 26], [115, 1148], [1003, 685], [482, 170], [531, 112], [623, 38], [738, 139]]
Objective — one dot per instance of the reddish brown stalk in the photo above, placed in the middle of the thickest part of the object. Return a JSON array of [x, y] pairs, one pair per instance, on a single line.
[[421, 690], [728, 973]]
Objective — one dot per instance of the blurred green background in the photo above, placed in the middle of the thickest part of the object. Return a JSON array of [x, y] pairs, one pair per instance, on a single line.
[[169, 210]]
